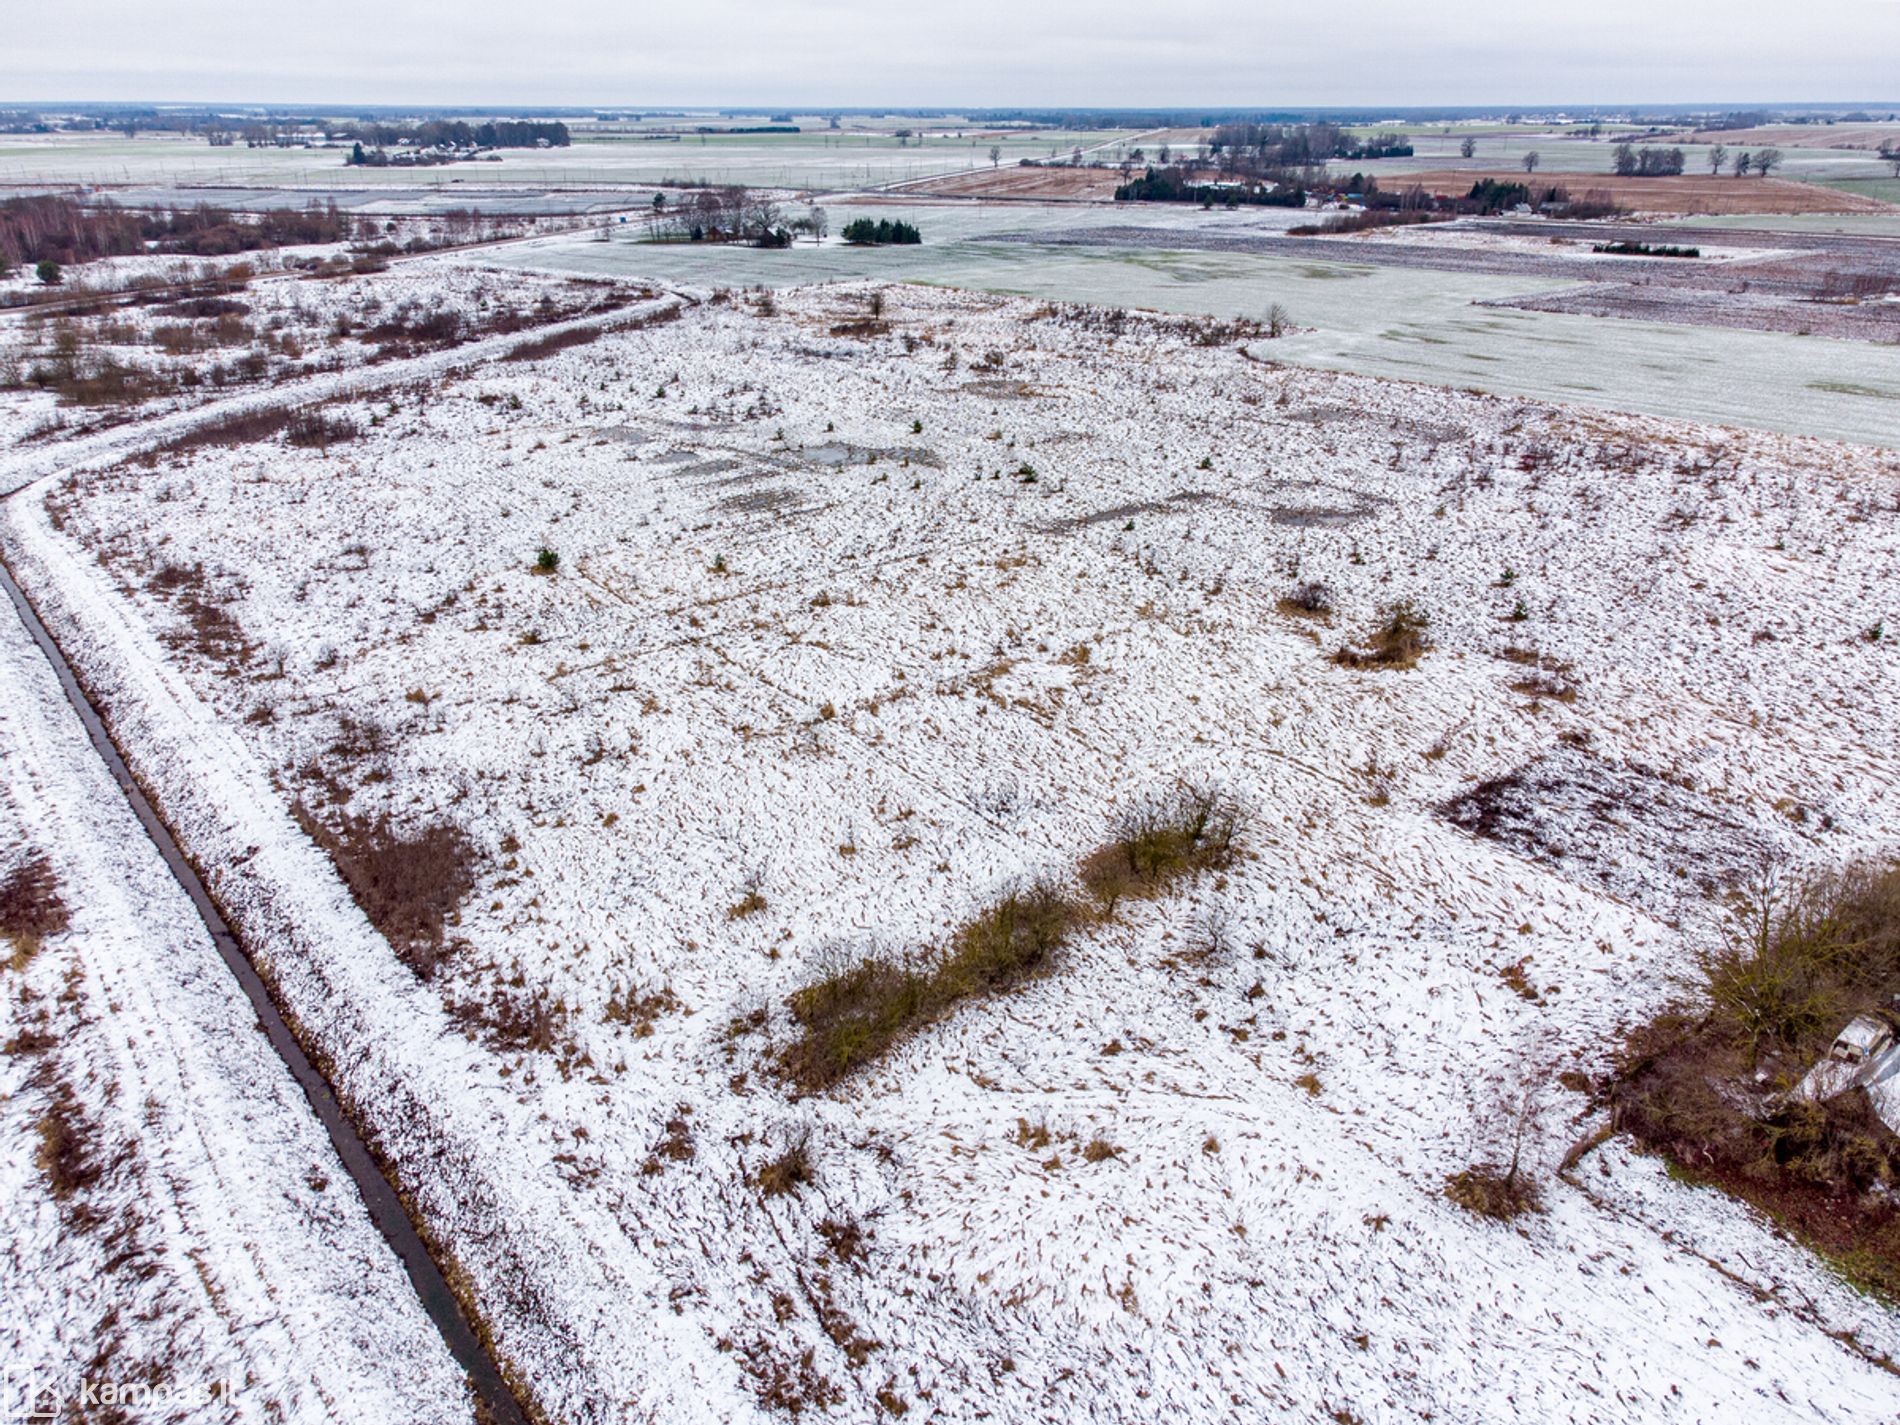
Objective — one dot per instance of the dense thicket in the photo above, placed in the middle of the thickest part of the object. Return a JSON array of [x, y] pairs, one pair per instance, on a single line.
[[1713, 1083], [55, 229], [1174, 185], [865, 232], [1646, 162], [494, 133]]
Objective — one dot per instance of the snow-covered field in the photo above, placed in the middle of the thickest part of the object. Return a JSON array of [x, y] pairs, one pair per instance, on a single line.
[[1354, 315], [175, 1219], [256, 335], [812, 159], [876, 625]]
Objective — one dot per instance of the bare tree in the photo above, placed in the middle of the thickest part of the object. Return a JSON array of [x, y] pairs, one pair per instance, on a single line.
[[1767, 161], [1277, 320], [1511, 1130], [996, 154], [1717, 153], [1468, 147], [1890, 154], [1531, 160], [1743, 162], [817, 223]]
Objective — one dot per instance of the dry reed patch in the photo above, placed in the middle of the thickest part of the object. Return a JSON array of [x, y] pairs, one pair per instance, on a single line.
[[860, 1012]]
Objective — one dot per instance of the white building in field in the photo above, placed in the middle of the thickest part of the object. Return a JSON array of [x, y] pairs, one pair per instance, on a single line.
[[1864, 1055]]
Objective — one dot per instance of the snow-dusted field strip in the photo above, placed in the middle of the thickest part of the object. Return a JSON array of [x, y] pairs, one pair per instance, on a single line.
[[881, 631], [390, 1055], [230, 1248], [22, 464]]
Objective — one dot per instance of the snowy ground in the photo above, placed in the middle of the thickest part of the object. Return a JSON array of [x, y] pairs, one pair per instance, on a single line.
[[204, 1235], [1354, 315], [878, 625], [276, 328]]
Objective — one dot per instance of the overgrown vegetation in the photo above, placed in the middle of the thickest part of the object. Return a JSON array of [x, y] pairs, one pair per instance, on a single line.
[[537, 347], [1175, 185], [61, 230], [1711, 1084], [864, 232], [862, 1010]]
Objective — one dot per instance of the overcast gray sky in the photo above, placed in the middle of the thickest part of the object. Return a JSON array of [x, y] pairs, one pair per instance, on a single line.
[[968, 52]]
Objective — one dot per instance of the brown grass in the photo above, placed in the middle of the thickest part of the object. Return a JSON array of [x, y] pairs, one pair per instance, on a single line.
[[1494, 1192], [67, 1156], [31, 908], [209, 628], [407, 883], [788, 1172], [860, 1012]]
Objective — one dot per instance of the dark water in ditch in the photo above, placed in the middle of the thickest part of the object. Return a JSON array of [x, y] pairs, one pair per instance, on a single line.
[[385, 1208]]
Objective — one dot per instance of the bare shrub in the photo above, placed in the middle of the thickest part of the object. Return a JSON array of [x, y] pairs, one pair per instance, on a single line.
[[238, 428], [1794, 959], [1161, 840], [1312, 600], [537, 347], [1502, 1184], [1398, 642], [314, 428]]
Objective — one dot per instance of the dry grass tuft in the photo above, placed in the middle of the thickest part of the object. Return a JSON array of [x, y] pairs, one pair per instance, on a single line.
[[1308, 600], [789, 1171], [1494, 1192], [67, 1156], [1397, 643], [31, 908]]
